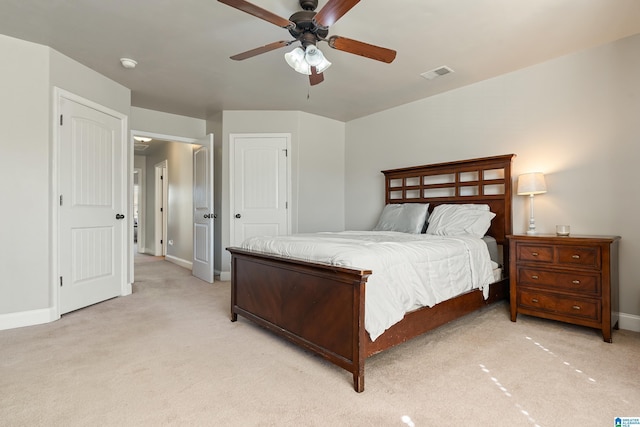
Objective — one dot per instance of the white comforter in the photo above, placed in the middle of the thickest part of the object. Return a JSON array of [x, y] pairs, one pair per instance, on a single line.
[[409, 270]]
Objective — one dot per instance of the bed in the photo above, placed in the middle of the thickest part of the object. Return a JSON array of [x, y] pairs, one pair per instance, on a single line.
[[321, 306]]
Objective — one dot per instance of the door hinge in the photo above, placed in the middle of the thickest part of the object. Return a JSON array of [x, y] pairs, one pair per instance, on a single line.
[[160, 241], [286, 152], [60, 281], [60, 119], [61, 200], [160, 209]]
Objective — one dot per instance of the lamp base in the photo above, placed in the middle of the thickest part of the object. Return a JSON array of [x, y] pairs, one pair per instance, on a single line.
[[531, 232]]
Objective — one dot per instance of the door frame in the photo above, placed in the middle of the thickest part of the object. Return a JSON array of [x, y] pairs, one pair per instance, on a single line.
[[161, 189], [126, 187], [141, 205], [232, 140]]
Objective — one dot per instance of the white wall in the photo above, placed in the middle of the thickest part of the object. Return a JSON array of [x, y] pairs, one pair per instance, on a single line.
[[576, 118], [29, 73], [320, 173], [312, 207], [159, 122], [179, 237], [24, 176]]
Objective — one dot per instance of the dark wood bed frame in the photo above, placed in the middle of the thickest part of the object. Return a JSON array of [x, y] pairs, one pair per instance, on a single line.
[[320, 307]]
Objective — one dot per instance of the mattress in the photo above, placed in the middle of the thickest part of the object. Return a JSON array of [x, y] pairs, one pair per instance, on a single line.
[[409, 270]]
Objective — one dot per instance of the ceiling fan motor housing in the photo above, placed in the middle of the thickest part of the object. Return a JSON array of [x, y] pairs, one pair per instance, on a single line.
[[306, 30], [309, 4]]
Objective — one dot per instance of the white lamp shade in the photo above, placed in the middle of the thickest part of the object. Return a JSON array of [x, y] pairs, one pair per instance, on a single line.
[[296, 60], [531, 183], [315, 58]]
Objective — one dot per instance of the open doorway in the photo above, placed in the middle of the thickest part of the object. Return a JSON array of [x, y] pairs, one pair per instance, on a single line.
[[165, 207], [138, 208]]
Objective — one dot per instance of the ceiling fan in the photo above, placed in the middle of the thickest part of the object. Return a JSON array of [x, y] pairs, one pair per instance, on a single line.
[[309, 27]]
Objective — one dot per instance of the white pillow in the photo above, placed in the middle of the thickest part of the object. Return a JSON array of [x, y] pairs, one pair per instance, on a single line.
[[453, 220], [403, 217]]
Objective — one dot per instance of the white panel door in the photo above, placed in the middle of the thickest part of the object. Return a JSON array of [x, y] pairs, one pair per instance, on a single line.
[[260, 186], [203, 210], [92, 225]]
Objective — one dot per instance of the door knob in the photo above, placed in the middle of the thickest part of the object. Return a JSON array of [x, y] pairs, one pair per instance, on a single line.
[[238, 216], [207, 216], [119, 216]]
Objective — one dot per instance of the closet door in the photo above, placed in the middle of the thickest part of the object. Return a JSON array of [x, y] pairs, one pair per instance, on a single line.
[[260, 188]]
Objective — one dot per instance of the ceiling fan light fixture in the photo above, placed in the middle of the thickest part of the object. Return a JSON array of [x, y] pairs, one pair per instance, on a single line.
[[296, 60], [143, 139], [315, 58]]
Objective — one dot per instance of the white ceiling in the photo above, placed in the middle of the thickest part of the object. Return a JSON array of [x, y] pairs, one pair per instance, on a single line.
[[183, 48]]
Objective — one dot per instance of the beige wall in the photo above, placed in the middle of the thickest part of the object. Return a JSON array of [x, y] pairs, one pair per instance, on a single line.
[[576, 118]]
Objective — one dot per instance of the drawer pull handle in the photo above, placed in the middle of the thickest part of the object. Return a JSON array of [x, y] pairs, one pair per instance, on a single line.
[[535, 276], [534, 300], [576, 307], [575, 256], [534, 253], [576, 282]]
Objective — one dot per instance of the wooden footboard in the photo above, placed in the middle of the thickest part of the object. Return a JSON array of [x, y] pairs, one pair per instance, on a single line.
[[317, 306], [320, 307]]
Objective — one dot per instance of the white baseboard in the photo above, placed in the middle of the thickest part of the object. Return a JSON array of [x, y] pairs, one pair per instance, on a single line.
[[179, 261], [27, 318], [225, 276], [629, 322]]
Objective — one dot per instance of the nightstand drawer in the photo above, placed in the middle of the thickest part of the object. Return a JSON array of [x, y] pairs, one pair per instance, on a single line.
[[561, 305], [535, 253], [579, 255], [553, 280]]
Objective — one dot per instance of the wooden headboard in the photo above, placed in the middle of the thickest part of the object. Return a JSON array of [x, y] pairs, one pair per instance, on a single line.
[[485, 180]]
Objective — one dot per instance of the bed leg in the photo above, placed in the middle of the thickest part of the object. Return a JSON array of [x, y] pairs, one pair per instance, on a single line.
[[358, 382]]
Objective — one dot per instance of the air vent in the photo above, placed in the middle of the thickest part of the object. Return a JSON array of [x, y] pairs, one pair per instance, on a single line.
[[140, 147], [437, 72]]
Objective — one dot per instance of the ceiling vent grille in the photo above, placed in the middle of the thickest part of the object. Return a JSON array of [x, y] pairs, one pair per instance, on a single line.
[[140, 147], [437, 72]]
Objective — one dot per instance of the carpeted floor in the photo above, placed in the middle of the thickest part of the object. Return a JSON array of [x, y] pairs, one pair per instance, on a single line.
[[168, 355]]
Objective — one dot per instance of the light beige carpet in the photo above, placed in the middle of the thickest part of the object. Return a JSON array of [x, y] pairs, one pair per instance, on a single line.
[[168, 355]]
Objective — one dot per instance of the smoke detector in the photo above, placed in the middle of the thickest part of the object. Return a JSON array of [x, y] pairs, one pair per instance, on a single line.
[[437, 72], [128, 63]]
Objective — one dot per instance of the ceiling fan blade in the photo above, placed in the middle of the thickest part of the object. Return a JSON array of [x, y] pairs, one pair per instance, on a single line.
[[333, 10], [315, 78], [363, 49], [263, 49], [258, 12]]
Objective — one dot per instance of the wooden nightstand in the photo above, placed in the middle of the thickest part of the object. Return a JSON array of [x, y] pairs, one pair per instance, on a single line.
[[572, 279]]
